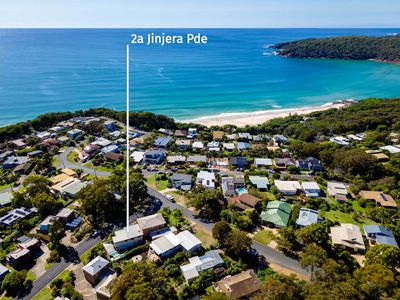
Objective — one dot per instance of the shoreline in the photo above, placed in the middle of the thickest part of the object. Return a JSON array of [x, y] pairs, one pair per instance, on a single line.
[[259, 117]]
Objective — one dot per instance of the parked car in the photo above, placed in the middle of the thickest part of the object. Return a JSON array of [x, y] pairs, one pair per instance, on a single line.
[[170, 197]]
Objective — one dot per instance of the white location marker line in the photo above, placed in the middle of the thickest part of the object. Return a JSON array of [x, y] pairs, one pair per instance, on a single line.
[[127, 138]]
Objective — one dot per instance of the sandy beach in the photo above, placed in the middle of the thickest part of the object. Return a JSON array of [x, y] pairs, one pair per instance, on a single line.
[[259, 117]]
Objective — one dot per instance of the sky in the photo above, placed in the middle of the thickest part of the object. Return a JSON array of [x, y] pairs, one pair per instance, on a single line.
[[199, 13]]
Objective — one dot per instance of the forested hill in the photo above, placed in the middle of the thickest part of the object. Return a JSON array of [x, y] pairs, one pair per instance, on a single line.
[[385, 48]]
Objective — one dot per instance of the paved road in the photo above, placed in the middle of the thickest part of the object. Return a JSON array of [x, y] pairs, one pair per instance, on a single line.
[[57, 268], [67, 164], [269, 253]]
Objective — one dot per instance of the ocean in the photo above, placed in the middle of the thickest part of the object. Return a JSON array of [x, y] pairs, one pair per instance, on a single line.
[[50, 70]]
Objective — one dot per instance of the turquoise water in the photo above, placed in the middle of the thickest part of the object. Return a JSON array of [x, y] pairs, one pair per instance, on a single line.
[[44, 70]]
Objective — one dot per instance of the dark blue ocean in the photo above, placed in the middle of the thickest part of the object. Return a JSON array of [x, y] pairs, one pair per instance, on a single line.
[[43, 70]]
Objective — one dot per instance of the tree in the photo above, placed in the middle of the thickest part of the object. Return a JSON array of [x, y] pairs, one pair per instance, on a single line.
[[207, 203], [313, 256], [287, 239], [279, 287], [36, 184], [237, 243], [145, 281], [220, 231], [386, 255], [215, 296], [99, 202], [45, 203], [14, 282], [56, 233], [315, 233], [376, 281]]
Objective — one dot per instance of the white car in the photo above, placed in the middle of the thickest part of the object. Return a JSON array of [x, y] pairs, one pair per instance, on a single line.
[[170, 198]]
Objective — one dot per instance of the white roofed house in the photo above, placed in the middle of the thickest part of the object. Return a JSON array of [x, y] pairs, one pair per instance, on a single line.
[[337, 190], [206, 179], [311, 189], [166, 245], [124, 238], [197, 145], [210, 259], [137, 156], [95, 269], [189, 242], [261, 182], [263, 162], [349, 237], [288, 188]]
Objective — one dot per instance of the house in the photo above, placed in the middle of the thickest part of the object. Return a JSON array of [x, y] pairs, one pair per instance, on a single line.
[[151, 223], [65, 215], [206, 179], [243, 146], [311, 164], [179, 133], [165, 245], [280, 139], [261, 182], [110, 125], [117, 157], [196, 159], [337, 190], [69, 188], [74, 133], [288, 188], [183, 144], [3, 272], [211, 259], [13, 161], [228, 146], [124, 238], [284, 163], [380, 198], [244, 136], [197, 145], [5, 155], [69, 172], [348, 237], [35, 153], [192, 132], [31, 244], [391, 149], [248, 201], [103, 289], [138, 156], [102, 142], [307, 216], [91, 149], [188, 241], [176, 159], [263, 162], [110, 148], [239, 162], [6, 198], [162, 142], [19, 257], [22, 169], [16, 214], [63, 140], [218, 135], [154, 156], [44, 226], [95, 269], [340, 140], [240, 285], [213, 146], [311, 189], [230, 185], [277, 213], [380, 235], [18, 144], [165, 131], [181, 181]]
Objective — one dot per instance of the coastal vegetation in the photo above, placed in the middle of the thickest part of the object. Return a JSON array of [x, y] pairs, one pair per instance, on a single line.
[[385, 48]]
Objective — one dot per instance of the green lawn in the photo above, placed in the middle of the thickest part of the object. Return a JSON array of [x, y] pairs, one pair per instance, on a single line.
[[264, 237], [72, 157], [158, 185], [205, 237], [45, 293], [85, 256], [341, 217], [356, 206], [4, 186], [56, 161]]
